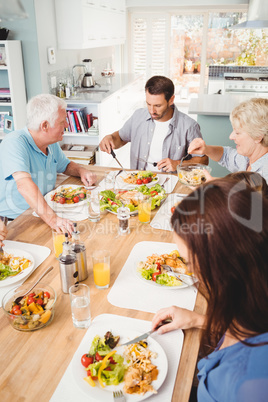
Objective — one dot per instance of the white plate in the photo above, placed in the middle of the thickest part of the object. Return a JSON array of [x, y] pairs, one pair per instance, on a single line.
[[23, 274], [105, 394], [57, 206], [162, 218], [126, 185]]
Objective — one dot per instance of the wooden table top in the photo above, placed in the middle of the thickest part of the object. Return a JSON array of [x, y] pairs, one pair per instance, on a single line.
[[32, 363]]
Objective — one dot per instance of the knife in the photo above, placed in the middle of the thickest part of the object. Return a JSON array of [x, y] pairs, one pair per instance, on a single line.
[[145, 336], [5, 220], [114, 156]]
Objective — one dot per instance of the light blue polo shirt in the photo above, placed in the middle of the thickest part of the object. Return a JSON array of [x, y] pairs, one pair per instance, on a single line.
[[19, 153]]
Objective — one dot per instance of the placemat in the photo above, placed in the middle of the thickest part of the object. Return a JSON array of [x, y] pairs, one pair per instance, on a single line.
[[40, 253], [172, 342], [162, 218], [129, 291]]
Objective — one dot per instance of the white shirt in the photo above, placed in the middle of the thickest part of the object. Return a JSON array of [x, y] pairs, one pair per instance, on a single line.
[[160, 133]]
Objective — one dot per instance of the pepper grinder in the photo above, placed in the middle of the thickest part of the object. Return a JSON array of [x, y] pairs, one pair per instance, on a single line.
[[79, 249], [68, 266], [123, 214]]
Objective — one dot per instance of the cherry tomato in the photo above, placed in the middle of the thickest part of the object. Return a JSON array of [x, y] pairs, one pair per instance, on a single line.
[[172, 210], [139, 181], [31, 294], [14, 308], [47, 294], [153, 193], [145, 181], [76, 199], [108, 368], [39, 301], [98, 357], [89, 374], [62, 200], [30, 300], [17, 312], [87, 360], [150, 179], [155, 275], [82, 195]]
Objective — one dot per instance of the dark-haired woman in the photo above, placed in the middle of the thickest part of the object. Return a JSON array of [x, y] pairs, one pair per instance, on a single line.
[[229, 256]]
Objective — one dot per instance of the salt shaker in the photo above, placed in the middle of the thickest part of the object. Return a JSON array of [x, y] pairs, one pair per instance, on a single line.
[[79, 249], [123, 214], [68, 266]]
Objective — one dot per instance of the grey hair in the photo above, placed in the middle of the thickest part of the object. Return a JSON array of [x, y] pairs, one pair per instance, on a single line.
[[43, 107], [252, 116]]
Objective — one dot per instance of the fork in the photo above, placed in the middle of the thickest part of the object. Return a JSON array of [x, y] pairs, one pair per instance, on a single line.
[[164, 182], [182, 159], [119, 396], [179, 276]]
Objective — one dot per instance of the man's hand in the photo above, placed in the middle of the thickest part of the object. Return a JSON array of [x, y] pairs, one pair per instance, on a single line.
[[88, 178], [197, 146], [3, 233], [168, 165], [61, 225], [107, 144]]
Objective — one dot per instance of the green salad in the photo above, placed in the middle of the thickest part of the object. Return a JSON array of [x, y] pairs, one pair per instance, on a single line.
[[102, 363], [153, 273], [112, 201]]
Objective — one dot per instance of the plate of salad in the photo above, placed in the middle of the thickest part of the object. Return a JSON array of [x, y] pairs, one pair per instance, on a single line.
[[154, 274], [100, 365], [111, 201], [67, 196], [138, 178], [15, 265]]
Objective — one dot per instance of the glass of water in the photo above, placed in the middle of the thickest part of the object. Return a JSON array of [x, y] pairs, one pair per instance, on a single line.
[[94, 206], [80, 305]]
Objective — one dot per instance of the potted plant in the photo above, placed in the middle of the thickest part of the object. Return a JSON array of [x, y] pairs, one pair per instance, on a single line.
[[197, 66]]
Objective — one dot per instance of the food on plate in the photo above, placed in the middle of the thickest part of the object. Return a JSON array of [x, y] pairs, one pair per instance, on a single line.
[[102, 363], [174, 207], [11, 265], [138, 178], [191, 177], [33, 311], [141, 372], [112, 201], [152, 269], [69, 195]]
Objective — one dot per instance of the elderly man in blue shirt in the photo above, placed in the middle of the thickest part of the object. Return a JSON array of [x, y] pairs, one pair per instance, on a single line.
[[159, 134], [30, 159]]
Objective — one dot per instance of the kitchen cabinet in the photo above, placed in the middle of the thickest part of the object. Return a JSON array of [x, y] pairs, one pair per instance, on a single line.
[[112, 110], [84, 24], [12, 84]]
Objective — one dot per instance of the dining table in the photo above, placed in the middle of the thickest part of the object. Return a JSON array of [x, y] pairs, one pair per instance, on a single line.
[[33, 363]]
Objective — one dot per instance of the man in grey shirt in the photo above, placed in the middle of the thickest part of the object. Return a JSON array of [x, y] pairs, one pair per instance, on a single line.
[[161, 132]]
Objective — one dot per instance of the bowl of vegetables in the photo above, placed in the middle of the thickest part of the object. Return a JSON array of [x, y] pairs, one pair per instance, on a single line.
[[34, 311], [193, 174]]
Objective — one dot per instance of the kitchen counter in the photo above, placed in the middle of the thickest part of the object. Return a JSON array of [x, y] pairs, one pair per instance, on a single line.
[[217, 105], [108, 84]]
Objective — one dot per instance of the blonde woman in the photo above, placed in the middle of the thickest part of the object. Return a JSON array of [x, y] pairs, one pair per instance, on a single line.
[[250, 134]]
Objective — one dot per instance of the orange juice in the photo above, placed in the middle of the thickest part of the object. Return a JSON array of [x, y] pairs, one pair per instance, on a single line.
[[144, 211], [58, 239], [101, 271]]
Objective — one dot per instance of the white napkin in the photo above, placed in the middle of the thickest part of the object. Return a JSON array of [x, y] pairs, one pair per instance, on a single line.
[[68, 390], [129, 291], [162, 218], [40, 253]]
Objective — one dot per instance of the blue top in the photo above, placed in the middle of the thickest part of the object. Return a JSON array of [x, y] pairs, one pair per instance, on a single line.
[[237, 373], [139, 130], [19, 153], [237, 163]]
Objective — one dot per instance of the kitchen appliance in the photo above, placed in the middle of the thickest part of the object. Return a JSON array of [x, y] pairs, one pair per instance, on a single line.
[[257, 16], [246, 83], [88, 81]]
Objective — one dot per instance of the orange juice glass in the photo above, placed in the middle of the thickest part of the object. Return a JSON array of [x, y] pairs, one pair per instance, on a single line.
[[58, 239], [101, 268], [144, 209]]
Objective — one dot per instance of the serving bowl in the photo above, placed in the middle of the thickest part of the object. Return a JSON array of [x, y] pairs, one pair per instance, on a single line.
[[32, 315], [192, 175]]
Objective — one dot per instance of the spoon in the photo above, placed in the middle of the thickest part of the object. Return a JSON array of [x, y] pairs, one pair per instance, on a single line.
[[18, 299]]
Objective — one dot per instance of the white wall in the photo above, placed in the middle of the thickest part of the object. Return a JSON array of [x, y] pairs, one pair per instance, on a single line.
[[184, 3]]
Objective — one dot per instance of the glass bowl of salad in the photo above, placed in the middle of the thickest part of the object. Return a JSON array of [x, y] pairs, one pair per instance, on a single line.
[[34, 311], [193, 174]]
